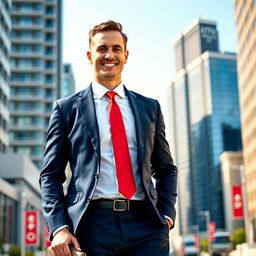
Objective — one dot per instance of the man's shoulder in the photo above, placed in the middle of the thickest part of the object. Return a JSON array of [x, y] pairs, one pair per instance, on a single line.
[[71, 99], [142, 97], [149, 104]]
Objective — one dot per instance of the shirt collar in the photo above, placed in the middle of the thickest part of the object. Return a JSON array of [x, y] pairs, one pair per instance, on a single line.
[[99, 90]]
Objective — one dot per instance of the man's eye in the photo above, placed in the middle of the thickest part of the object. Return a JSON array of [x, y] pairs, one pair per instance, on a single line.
[[117, 49], [102, 49]]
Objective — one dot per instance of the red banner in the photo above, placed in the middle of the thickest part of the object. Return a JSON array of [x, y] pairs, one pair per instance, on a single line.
[[47, 237], [31, 227], [212, 231], [237, 202], [196, 241]]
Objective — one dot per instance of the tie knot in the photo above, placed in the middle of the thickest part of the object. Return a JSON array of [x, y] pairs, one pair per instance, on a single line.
[[111, 95]]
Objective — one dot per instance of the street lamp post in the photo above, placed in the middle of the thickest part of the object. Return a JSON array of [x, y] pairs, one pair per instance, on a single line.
[[207, 220]]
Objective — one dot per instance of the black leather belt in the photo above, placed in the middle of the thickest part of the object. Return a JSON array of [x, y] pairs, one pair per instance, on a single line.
[[119, 205]]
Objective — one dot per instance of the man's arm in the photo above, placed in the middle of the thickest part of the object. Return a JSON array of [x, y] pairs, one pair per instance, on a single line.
[[51, 180], [165, 172], [53, 172]]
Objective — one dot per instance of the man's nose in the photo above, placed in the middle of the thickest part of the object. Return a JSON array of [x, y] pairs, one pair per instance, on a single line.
[[109, 54]]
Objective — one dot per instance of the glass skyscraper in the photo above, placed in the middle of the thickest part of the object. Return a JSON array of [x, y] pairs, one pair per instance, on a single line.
[[205, 121], [35, 73]]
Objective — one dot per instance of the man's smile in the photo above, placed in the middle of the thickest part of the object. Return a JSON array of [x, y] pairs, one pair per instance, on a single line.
[[109, 64]]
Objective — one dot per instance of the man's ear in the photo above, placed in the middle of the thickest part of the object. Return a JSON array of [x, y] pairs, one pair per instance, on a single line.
[[89, 57], [126, 56]]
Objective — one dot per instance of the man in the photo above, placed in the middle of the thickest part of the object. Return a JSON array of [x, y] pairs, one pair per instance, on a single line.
[[114, 140]]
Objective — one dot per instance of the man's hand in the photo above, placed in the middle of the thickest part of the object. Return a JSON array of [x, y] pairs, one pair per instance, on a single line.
[[169, 223], [61, 241]]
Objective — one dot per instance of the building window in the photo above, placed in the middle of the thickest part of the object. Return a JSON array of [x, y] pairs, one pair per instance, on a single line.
[[49, 23], [49, 10], [48, 64], [67, 68], [49, 37], [7, 218], [49, 50]]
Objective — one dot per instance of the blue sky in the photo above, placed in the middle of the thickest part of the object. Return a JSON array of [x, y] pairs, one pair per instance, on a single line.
[[151, 26]]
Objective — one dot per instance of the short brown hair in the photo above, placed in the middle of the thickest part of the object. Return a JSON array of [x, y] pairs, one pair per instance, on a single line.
[[107, 26]]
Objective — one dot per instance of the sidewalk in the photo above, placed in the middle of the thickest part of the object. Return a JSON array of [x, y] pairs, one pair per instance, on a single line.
[[243, 250]]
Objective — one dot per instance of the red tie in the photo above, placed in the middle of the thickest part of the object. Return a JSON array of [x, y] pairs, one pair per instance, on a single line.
[[124, 173]]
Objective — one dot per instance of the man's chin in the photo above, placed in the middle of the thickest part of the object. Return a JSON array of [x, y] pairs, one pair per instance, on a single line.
[[108, 75]]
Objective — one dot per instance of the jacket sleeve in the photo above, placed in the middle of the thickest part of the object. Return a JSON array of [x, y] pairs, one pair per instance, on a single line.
[[164, 170], [53, 172]]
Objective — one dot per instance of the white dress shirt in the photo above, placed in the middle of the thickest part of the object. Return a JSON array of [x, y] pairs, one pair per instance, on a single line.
[[107, 186]]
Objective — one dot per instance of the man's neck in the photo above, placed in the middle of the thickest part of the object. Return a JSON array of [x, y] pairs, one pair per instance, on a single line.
[[110, 85]]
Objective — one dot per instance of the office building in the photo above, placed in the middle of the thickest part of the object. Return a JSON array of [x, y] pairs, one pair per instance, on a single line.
[[68, 81], [19, 192], [36, 69], [205, 122], [245, 13], [5, 47]]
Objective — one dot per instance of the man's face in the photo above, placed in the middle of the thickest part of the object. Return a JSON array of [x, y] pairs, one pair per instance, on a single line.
[[107, 55]]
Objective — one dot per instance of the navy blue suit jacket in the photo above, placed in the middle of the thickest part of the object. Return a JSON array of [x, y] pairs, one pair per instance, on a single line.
[[73, 136]]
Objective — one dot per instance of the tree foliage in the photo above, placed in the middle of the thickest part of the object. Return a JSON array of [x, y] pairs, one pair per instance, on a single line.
[[16, 251], [204, 245], [238, 236]]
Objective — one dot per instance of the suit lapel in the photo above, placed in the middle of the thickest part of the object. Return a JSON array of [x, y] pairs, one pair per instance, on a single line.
[[87, 108], [137, 107]]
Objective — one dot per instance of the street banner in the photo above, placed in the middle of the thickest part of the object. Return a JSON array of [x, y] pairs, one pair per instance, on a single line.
[[212, 231], [47, 237], [237, 202], [31, 228]]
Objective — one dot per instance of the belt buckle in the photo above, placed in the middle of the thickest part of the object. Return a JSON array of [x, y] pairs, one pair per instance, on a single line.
[[127, 208]]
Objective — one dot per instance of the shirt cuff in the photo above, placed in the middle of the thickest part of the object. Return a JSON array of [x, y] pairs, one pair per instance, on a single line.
[[58, 229], [167, 217]]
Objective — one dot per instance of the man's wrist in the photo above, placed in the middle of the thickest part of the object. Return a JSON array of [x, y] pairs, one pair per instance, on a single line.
[[59, 229]]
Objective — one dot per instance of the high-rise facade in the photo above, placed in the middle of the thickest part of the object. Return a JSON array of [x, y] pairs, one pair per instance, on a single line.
[[36, 68], [245, 13], [5, 47], [68, 80], [205, 122]]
